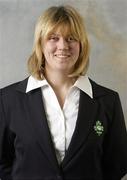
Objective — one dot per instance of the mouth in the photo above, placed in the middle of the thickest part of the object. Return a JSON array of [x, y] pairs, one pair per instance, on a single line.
[[62, 55]]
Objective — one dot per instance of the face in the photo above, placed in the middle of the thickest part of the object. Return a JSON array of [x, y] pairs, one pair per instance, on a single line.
[[61, 53]]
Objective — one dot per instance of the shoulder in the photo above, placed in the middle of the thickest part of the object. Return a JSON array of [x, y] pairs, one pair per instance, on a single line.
[[106, 97], [12, 90], [100, 90], [15, 85], [9, 88], [108, 100], [12, 94]]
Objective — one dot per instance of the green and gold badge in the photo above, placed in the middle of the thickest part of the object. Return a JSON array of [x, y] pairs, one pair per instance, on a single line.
[[98, 128]]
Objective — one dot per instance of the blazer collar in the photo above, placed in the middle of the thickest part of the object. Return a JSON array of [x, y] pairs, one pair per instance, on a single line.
[[98, 90], [21, 86]]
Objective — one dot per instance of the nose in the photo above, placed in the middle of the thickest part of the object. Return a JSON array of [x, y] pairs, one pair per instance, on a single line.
[[63, 44]]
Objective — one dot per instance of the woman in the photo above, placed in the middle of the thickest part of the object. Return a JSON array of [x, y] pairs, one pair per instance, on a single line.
[[58, 123]]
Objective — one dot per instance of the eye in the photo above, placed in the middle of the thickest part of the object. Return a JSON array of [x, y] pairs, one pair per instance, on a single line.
[[53, 38], [71, 39]]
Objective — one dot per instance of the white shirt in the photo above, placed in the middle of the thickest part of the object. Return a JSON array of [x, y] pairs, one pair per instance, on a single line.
[[61, 122]]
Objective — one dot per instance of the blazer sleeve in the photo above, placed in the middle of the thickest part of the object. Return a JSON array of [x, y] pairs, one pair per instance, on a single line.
[[5, 145], [115, 145]]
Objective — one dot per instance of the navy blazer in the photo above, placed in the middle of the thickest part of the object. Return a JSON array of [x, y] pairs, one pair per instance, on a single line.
[[98, 148]]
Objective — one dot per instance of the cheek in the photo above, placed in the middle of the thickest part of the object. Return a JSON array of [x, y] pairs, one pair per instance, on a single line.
[[46, 48], [76, 49], [49, 47]]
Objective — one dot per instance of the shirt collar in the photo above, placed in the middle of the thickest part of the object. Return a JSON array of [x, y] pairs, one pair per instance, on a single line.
[[34, 83], [82, 83]]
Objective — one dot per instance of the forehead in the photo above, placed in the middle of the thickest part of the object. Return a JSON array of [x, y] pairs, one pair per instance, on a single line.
[[63, 29]]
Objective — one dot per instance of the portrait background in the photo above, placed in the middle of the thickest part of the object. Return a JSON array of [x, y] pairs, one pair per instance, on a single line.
[[106, 22]]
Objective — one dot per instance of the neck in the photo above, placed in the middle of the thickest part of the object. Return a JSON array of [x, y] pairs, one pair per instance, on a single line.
[[59, 80], [61, 83]]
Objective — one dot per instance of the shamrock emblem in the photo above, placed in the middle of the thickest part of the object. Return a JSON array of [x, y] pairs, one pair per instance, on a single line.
[[98, 128]]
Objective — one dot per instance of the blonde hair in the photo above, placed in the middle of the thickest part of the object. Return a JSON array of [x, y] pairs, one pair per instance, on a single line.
[[53, 18]]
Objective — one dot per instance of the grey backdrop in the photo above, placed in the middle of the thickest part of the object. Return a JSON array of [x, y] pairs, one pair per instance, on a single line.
[[106, 22]]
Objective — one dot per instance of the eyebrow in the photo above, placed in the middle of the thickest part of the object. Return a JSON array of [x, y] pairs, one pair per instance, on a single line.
[[57, 34], [54, 34]]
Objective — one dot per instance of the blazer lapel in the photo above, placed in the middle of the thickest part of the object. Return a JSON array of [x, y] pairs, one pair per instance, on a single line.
[[84, 124], [38, 122]]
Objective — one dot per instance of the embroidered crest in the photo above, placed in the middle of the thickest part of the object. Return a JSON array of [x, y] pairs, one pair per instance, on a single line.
[[98, 128]]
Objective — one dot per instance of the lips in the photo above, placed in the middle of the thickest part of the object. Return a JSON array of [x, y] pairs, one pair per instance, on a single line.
[[62, 55]]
